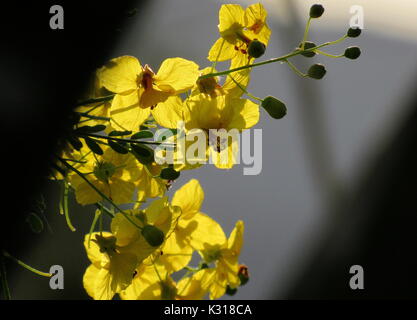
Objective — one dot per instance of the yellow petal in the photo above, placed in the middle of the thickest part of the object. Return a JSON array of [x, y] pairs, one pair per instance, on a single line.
[[122, 268], [241, 113], [125, 231], [231, 19], [189, 198], [228, 155], [204, 232], [241, 77], [255, 21], [142, 288], [175, 256], [176, 75], [221, 50], [151, 97], [93, 250], [168, 113], [84, 193], [127, 113], [89, 280], [121, 191], [235, 241], [120, 74], [190, 288]]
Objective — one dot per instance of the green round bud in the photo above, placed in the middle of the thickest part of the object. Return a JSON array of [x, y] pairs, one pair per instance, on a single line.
[[354, 32], [231, 291], [256, 49], [352, 53], [275, 108], [308, 45], [316, 11], [153, 235], [169, 174], [317, 71]]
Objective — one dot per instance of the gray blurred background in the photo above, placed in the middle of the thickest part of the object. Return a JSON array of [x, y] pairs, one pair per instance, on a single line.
[[311, 158]]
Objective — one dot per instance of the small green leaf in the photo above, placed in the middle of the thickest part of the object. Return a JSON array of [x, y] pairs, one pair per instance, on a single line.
[[76, 143], [143, 153], [90, 129], [93, 146], [153, 235], [117, 147], [35, 222], [119, 133], [144, 134], [169, 174]]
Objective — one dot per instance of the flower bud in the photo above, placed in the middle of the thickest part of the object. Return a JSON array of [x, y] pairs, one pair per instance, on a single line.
[[275, 108], [308, 45], [354, 32], [153, 235], [317, 71], [231, 291], [243, 274], [256, 49], [169, 174], [352, 53], [316, 11]]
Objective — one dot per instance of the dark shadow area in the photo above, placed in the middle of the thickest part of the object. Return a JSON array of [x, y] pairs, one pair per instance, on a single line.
[[43, 73], [373, 227]]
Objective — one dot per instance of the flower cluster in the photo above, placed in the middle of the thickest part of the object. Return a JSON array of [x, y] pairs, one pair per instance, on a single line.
[[107, 160]]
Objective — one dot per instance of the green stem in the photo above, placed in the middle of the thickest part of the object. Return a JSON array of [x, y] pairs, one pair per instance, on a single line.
[[295, 69], [244, 90], [24, 265], [65, 207], [3, 276], [282, 58], [305, 33], [105, 210], [94, 100], [99, 192], [97, 214], [86, 115], [93, 135], [329, 55]]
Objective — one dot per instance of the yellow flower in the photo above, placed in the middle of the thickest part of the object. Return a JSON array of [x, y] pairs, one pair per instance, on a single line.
[[151, 282], [149, 185], [238, 28], [212, 87], [111, 270], [225, 257], [194, 228], [118, 255], [227, 115], [114, 174], [190, 288], [140, 92]]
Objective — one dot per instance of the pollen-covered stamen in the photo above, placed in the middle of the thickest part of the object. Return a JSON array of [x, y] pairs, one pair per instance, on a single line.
[[219, 142], [257, 26], [106, 244], [147, 77], [104, 171]]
